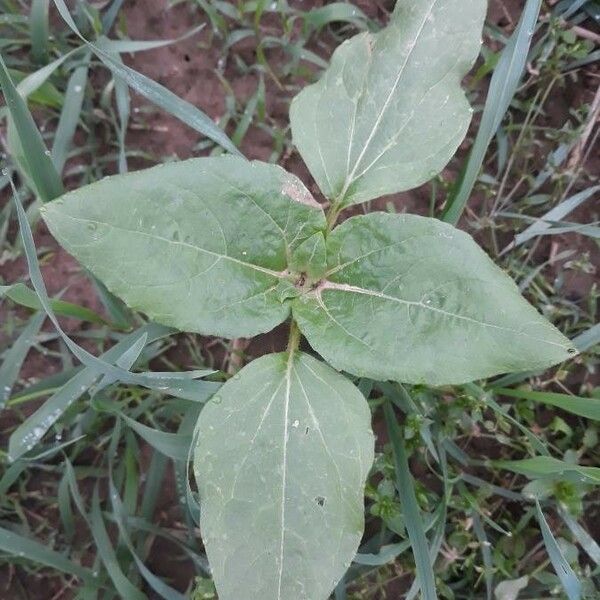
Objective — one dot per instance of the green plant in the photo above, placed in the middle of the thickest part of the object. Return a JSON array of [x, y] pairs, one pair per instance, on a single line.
[[227, 247]]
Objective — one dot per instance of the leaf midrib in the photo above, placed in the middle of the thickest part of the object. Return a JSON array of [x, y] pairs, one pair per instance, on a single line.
[[350, 179], [352, 289], [277, 274]]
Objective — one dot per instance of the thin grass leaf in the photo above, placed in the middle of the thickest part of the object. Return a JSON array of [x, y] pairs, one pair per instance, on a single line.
[[107, 553], [33, 429], [11, 474], [503, 86], [20, 547], [340, 590], [486, 554], [387, 554], [46, 94], [548, 466], [544, 223], [336, 12], [584, 407], [440, 515], [15, 355], [173, 445], [123, 100], [35, 154], [534, 440], [108, 18], [411, 511], [586, 541], [69, 116], [569, 580], [568, 9], [153, 486], [20, 294], [155, 92], [133, 46], [38, 29], [588, 339], [119, 313], [64, 508], [248, 115], [495, 489], [45, 387], [159, 586]]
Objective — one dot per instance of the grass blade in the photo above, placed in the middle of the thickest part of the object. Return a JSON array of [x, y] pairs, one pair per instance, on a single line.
[[584, 407], [107, 553], [153, 91], [585, 540], [38, 29], [548, 466], [35, 154], [103, 545], [159, 586], [586, 340], [173, 445], [108, 18], [18, 546], [486, 554], [543, 224], [69, 115], [20, 294], [412, 513], [569, 580], [15, 355], [33, 429], [503, 86]]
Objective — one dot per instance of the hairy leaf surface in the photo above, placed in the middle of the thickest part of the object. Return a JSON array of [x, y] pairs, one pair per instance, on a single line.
[[200, 245], [389, 112], [282, 457], [416, 300]]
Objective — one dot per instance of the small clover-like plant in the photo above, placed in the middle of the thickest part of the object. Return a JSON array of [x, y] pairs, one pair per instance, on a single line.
[[228, 247]]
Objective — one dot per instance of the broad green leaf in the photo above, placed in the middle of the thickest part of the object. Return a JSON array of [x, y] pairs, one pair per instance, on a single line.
[[282, 457], [202, 245], [389, 112], [415, 300]]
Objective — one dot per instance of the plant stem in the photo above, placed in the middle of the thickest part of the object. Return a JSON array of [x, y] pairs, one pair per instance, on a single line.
[[294, 339], [332, 215]]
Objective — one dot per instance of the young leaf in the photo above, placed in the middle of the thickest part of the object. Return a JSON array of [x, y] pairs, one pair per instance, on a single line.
[[202, 245], [415, 300], [389, 112], [282, 499]]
